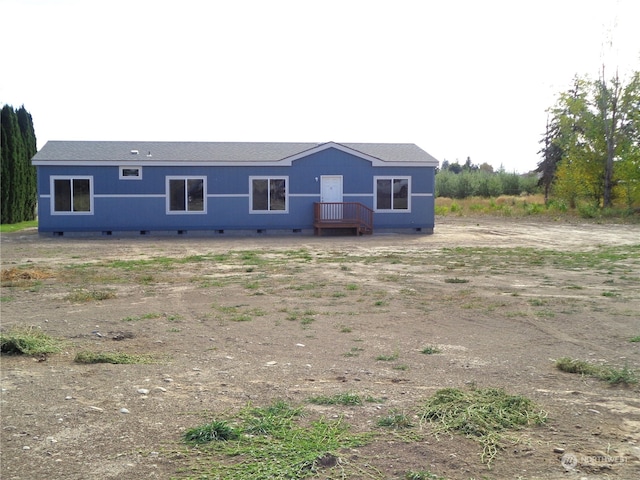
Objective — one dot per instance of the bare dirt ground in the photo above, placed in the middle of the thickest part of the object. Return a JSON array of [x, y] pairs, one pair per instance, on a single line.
[[237, 320]]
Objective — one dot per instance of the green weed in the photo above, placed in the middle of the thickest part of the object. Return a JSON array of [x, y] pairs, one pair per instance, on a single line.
[[352, 353], [456, 280], [422, 475], [610, 294], [347, 399], [614, 376], [395, 419], [430, 350], [110, 357], [82, 295], [269, 443], [28, 341], [146, 316], [213, 431], [388, 358]]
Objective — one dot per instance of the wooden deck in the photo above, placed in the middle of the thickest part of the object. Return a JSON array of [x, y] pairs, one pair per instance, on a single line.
[[343, 215]]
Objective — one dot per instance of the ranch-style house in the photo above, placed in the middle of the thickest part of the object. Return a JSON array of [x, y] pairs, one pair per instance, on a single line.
[[190, 188]]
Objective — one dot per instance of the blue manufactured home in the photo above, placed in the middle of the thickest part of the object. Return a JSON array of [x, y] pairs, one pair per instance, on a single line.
[[218, 187]]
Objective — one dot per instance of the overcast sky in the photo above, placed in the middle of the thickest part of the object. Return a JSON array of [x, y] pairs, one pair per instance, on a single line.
[[458, 78]]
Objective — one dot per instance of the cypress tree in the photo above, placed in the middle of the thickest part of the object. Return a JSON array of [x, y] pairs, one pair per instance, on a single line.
[[18, 177], [30, 193]]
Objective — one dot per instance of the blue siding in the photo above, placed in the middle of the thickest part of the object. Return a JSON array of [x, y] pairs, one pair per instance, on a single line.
[[135, 205]]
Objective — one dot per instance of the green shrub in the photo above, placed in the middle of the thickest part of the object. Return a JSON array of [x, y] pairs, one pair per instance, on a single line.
[[588, 211]]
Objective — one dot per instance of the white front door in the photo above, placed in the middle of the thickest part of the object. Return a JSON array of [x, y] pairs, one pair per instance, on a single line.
[[331, 191]]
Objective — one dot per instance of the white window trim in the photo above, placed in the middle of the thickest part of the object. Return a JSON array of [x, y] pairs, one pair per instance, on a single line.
[[286, 194], [392, 178], [52, 193], [128, 177], [185, 178]]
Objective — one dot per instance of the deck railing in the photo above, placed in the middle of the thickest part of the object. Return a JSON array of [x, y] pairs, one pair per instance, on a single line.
[[343, 215]]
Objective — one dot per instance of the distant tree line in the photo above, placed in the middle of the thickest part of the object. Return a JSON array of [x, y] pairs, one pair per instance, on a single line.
[[18, 189], [468, 180], [591, 146]]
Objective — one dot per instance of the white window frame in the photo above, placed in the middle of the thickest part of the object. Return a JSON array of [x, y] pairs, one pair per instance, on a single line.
[[268, 211], [392, 178], [70, 178], [186, 211], [122, 176]]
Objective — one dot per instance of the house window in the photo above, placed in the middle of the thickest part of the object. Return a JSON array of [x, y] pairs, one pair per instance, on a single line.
[[186, 194], [130, 173], [392, 193], [269, 194], [72, 195]]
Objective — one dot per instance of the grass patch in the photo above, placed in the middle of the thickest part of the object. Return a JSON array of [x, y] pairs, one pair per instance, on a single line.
[[354, 352], [635, 339], [216, 430], [146, 316], [269, 442], [536, 302], [83, 296], [388, 358], [28, 341], [15, 227], [456, 280], [116, 358], [430, 350], [395, 420], [610, 294], [401, 367], [347, 399], [484, 415], [422, 475], [614, 376]]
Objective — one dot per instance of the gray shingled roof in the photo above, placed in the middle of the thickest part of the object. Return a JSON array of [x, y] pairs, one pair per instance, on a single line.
[[241, 152]]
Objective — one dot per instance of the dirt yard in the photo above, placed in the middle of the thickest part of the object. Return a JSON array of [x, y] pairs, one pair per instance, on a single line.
[[230, 321]]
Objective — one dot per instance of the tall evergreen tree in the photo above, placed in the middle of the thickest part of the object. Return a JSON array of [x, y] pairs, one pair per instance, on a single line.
[[18, 176], [30, 192], [551, 155]]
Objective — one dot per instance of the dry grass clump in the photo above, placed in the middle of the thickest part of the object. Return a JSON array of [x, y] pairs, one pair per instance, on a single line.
[[16, 274], [485, 415]]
